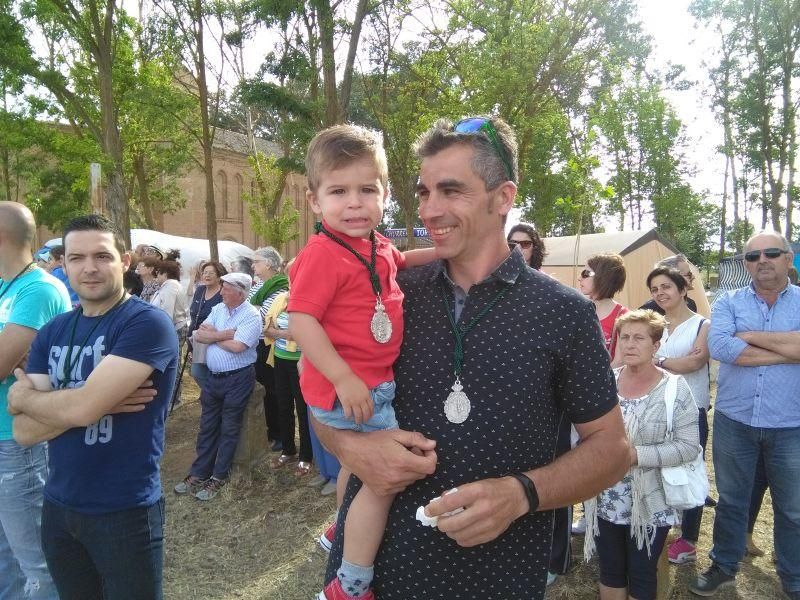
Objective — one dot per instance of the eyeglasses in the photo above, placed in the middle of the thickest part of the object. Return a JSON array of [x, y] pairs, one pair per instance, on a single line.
[[755, 255], [476, 125], [524, 244], [586, 273]]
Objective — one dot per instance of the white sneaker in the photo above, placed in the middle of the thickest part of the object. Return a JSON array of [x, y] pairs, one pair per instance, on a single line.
[[579, 526]]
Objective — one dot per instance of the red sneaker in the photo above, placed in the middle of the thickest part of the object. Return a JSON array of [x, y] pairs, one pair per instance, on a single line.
[[326, 539], [334, 591]]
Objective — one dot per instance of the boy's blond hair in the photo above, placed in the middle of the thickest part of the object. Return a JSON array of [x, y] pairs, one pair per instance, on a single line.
[[338, 146]]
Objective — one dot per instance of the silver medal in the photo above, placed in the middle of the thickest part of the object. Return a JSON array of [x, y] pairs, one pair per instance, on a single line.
[[457, 405], [380, 326]]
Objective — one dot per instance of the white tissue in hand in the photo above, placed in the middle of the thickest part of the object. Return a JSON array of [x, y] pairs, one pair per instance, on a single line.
[[433, 521]]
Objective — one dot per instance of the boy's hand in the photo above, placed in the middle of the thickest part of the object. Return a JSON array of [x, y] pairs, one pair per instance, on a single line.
[[355, 398]]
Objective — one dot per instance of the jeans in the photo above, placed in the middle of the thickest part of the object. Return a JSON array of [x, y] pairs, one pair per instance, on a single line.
[[23, 570], [326, 462], [760, 485], [382, 418], [114, 556], [736, 449], [223, 401]]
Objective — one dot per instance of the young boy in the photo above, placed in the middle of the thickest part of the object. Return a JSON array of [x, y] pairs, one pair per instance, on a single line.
[[346, 313]]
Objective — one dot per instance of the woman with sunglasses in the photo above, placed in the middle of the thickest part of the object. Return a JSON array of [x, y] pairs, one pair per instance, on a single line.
[[683, 351], [529, 242], [600, 280]]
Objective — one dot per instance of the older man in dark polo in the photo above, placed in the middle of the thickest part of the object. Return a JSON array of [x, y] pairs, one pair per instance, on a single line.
[[232, 331], [493, 354]]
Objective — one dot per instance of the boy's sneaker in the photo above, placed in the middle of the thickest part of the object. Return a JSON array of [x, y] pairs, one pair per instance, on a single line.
[[189, 485], [681, 552], [334, 591], [713, 579], [326, 539], [579, 526], [211, 488]]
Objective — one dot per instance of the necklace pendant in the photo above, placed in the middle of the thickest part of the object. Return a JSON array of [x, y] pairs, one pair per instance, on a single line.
[[457, 406], [380, 325]]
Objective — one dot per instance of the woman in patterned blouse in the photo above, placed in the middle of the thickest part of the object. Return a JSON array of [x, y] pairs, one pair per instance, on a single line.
[[631, 519]]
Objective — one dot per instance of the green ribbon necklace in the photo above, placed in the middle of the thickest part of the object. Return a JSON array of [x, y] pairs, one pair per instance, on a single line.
[[380, 325], [17, 276], [457, 406], [69, 364]]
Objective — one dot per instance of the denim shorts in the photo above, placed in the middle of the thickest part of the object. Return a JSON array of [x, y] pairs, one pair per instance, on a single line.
[[382, 417]]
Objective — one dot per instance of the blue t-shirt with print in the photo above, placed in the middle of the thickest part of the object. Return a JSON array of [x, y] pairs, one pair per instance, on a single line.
[[31, 301], [113, 464]]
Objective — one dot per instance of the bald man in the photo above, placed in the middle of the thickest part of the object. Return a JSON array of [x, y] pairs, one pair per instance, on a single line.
[[29, 298]]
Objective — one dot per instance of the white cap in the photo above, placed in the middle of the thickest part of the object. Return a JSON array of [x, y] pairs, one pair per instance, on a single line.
[[243, 281]]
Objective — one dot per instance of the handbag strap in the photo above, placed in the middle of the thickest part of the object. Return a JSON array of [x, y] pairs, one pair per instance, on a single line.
[[670, 393]]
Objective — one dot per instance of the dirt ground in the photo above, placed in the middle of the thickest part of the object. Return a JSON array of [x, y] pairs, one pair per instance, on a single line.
[[257, 539]]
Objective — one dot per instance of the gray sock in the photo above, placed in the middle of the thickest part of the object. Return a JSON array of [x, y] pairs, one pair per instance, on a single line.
[[355, 579]]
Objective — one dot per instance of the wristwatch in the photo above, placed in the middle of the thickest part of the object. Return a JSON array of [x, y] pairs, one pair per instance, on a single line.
[[660, 361]]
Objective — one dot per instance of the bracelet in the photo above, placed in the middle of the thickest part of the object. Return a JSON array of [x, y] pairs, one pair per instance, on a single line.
[[530, 491]]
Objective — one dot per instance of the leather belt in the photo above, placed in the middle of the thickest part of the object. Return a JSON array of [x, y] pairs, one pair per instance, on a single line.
[[229, 373]]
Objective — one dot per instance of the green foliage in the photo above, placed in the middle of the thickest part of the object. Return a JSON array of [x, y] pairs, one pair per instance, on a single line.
[[271, 218]]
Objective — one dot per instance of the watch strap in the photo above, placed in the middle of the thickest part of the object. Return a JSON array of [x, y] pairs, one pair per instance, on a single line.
[[530, 491]]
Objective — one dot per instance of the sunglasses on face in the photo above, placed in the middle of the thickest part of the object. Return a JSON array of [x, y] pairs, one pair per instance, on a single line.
[[755, 255], [586, 273], [524, 244], [483, 125]]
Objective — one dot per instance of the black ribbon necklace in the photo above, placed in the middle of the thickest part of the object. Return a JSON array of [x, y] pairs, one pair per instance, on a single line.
[[380, 325], [69, 364], [457, 406], [17, 276]]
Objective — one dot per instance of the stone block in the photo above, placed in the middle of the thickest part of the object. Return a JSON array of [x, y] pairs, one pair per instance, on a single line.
[[252, 449]]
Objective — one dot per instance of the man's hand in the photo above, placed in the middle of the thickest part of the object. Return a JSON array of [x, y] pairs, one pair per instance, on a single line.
[[490, 506], [355, 398], [388, 461], [138, 400], [16, 392]]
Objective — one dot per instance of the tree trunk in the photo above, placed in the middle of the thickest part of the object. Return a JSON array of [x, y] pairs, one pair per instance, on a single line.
[[144, 192], [722, 215], [347, 77], [208, 161], [6, 172], [326, 34]]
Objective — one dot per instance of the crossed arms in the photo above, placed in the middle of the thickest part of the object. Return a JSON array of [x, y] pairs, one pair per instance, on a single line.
[[117, 385]]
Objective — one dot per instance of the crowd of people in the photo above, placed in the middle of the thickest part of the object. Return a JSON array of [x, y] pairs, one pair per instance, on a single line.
[[459, 384]]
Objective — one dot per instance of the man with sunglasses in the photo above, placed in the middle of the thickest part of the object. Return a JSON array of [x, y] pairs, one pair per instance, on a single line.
[[755, 334], [494, 353]]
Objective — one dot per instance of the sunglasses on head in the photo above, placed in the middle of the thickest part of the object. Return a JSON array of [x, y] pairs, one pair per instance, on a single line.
[[586, 273], [755, 255], [524, 244], [483, 125]]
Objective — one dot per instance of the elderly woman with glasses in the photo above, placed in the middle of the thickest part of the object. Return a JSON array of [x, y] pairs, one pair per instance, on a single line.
[[600, 280], [529, 242], [266, 265]]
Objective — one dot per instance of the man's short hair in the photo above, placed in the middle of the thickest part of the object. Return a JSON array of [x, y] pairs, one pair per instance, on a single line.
[[95, 223], [57, 252], [609, 274], [785, 245], [339, 146], [672, 261], [242, 264], [486, 162]]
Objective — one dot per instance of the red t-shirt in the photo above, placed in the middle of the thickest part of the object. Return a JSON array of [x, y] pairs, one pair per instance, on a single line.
[[332, 285], [608, 327]]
